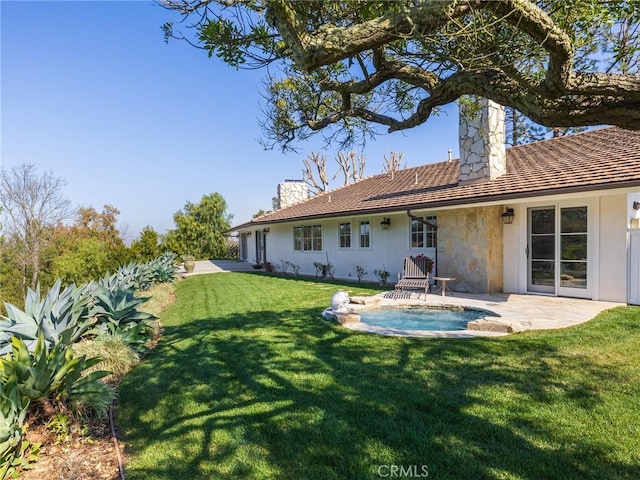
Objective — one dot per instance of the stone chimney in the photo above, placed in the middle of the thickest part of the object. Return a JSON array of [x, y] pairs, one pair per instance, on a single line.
[[482, 140], [292, 191]]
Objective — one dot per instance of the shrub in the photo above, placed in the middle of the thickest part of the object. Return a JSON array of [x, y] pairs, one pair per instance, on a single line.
[[382, 275]]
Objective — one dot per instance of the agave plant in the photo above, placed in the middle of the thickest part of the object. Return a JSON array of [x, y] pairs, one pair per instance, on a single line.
[[13, 409], [137, 274], [61, 315], [163, 268], [119, 306], [50, 373], [117, 314]]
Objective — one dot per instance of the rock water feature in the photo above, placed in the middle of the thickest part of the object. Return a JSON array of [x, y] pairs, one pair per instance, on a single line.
[[340, 310]]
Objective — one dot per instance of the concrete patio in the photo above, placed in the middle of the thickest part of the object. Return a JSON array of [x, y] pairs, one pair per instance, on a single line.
[[218, 266]]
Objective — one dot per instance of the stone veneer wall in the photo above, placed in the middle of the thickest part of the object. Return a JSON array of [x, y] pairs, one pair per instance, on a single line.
[[291, 192], [470, 244], [482, 140]]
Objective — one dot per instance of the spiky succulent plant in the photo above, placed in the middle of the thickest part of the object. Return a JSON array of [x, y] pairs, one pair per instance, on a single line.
[[61, 315]]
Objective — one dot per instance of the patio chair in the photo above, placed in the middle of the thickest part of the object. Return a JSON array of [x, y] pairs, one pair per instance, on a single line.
[[415, 274]]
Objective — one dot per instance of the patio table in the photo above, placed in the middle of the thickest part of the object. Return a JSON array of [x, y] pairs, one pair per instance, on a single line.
[[443, 281]]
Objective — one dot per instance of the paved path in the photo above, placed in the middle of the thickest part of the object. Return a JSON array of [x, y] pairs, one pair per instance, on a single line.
[[217, 266]]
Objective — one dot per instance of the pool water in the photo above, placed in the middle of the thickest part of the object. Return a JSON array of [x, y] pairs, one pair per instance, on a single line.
[[421, 318]]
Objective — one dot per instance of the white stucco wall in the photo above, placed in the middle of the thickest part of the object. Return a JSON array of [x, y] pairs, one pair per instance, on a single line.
[[608, 222], [613, 248], [387, 251], [513, 251], [609, 215]]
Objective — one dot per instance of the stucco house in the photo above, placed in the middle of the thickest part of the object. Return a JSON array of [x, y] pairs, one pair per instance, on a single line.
[[552, 217]]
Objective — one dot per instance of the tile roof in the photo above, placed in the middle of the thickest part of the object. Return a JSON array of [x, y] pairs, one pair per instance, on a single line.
[[599, 159]]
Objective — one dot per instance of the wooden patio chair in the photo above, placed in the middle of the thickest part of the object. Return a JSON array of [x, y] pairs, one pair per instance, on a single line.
[[415, 274]]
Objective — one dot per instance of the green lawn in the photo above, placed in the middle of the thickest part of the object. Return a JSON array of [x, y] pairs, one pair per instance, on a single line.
[[249, 382]]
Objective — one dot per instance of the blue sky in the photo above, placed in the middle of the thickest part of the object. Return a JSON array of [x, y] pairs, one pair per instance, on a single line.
[[90, 91]]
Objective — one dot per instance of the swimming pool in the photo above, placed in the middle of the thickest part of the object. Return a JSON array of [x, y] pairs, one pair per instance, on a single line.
[[420, 318]]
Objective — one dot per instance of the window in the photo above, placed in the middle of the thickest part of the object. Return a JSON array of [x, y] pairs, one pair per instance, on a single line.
[[424, 236], [344, 235], [307, 238], [365, 234], [297, 238]]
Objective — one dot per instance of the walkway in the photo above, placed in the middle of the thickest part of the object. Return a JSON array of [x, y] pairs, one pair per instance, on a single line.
[[217, 266]]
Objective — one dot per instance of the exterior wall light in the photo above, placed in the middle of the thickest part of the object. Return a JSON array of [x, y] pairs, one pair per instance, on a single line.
[[248, 234], [385, 223], [636, 205], [265, 230], [507, 216]]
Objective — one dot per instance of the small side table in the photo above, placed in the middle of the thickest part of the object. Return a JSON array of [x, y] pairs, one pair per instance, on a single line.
[[444, 281]]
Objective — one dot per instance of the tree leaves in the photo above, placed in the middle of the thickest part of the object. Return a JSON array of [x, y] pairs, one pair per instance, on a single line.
[[199, 228]]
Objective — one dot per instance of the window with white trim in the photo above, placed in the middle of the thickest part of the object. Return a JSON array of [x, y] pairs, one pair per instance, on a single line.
[[344, 235], [307, 238], [422, 235], [365, 234]]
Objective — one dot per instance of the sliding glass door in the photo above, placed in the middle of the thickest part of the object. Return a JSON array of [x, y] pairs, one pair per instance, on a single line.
[[542, 250], [557, 250]]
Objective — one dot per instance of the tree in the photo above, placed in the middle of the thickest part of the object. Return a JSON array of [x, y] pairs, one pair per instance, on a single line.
[[351, 165], [347, 67], [32, 205], [314, 173], [393, 162], [86, 249], [147, 247], [86, 259], [519, 129], [199, 228]]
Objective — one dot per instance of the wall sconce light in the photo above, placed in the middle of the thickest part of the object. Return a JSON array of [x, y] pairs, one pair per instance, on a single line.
[[265, 230], [636, 205], [385, 223], [507, 216], [248, 234]]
